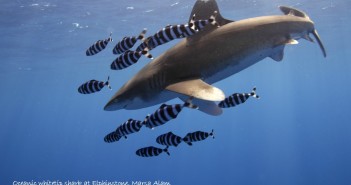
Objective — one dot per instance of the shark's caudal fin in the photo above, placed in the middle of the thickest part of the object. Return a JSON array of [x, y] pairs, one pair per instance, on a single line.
[[295, 12], [204, 9]]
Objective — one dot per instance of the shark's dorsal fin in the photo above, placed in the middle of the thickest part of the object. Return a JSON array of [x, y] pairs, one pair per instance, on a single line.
[[203, 10], [197, 89]]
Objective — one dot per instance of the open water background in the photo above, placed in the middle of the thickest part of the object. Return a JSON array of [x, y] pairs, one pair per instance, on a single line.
[[298, 133]]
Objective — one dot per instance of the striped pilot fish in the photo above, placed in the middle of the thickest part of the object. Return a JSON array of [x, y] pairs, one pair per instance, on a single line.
[[200, 24], [129, 58], [169, 139], [128, 42], [98, 46], [151, 151], [172, 32], [165, 113], [93, 86], [197, 136], [237, 98], [129, 127], [112, 137]]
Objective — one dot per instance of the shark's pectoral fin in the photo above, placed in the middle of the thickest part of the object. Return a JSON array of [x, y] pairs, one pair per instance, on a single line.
[[197, 89], [208, 107]]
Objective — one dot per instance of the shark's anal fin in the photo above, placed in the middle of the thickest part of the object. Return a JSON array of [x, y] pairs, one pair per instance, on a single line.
[[197, 89]]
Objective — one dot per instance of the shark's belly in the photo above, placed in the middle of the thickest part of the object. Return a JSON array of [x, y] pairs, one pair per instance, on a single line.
[[235, 65]]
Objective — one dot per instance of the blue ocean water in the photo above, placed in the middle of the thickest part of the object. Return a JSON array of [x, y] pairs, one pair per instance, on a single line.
[[297, 133]]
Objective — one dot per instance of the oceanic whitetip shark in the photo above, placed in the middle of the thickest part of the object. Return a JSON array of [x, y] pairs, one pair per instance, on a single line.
[[188, 69]]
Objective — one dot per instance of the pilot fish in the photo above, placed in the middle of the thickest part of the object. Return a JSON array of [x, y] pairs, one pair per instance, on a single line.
[[129, 127], [129, 58], [127, 42], [200, 24], [112, 137], [172, 32], [165, 113], [98, 46], [93, 86], [197, 136], [151, 151], [237, 98], [169, 139]]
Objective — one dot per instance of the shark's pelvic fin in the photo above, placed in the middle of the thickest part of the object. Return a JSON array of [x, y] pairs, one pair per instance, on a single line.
[[208, 107], [197, 89], [278, 55]]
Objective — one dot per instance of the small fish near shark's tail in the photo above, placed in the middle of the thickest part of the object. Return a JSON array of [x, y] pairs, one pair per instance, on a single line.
[[294, 12]]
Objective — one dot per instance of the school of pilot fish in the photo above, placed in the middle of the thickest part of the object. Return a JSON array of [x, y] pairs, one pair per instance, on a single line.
[[165, 113]]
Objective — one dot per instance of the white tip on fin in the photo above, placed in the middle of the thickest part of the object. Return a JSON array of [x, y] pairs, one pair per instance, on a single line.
[[292, 41], [208, 107], [197, 89]]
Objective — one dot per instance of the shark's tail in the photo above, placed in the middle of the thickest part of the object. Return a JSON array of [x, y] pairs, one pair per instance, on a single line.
[[295, 12]]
